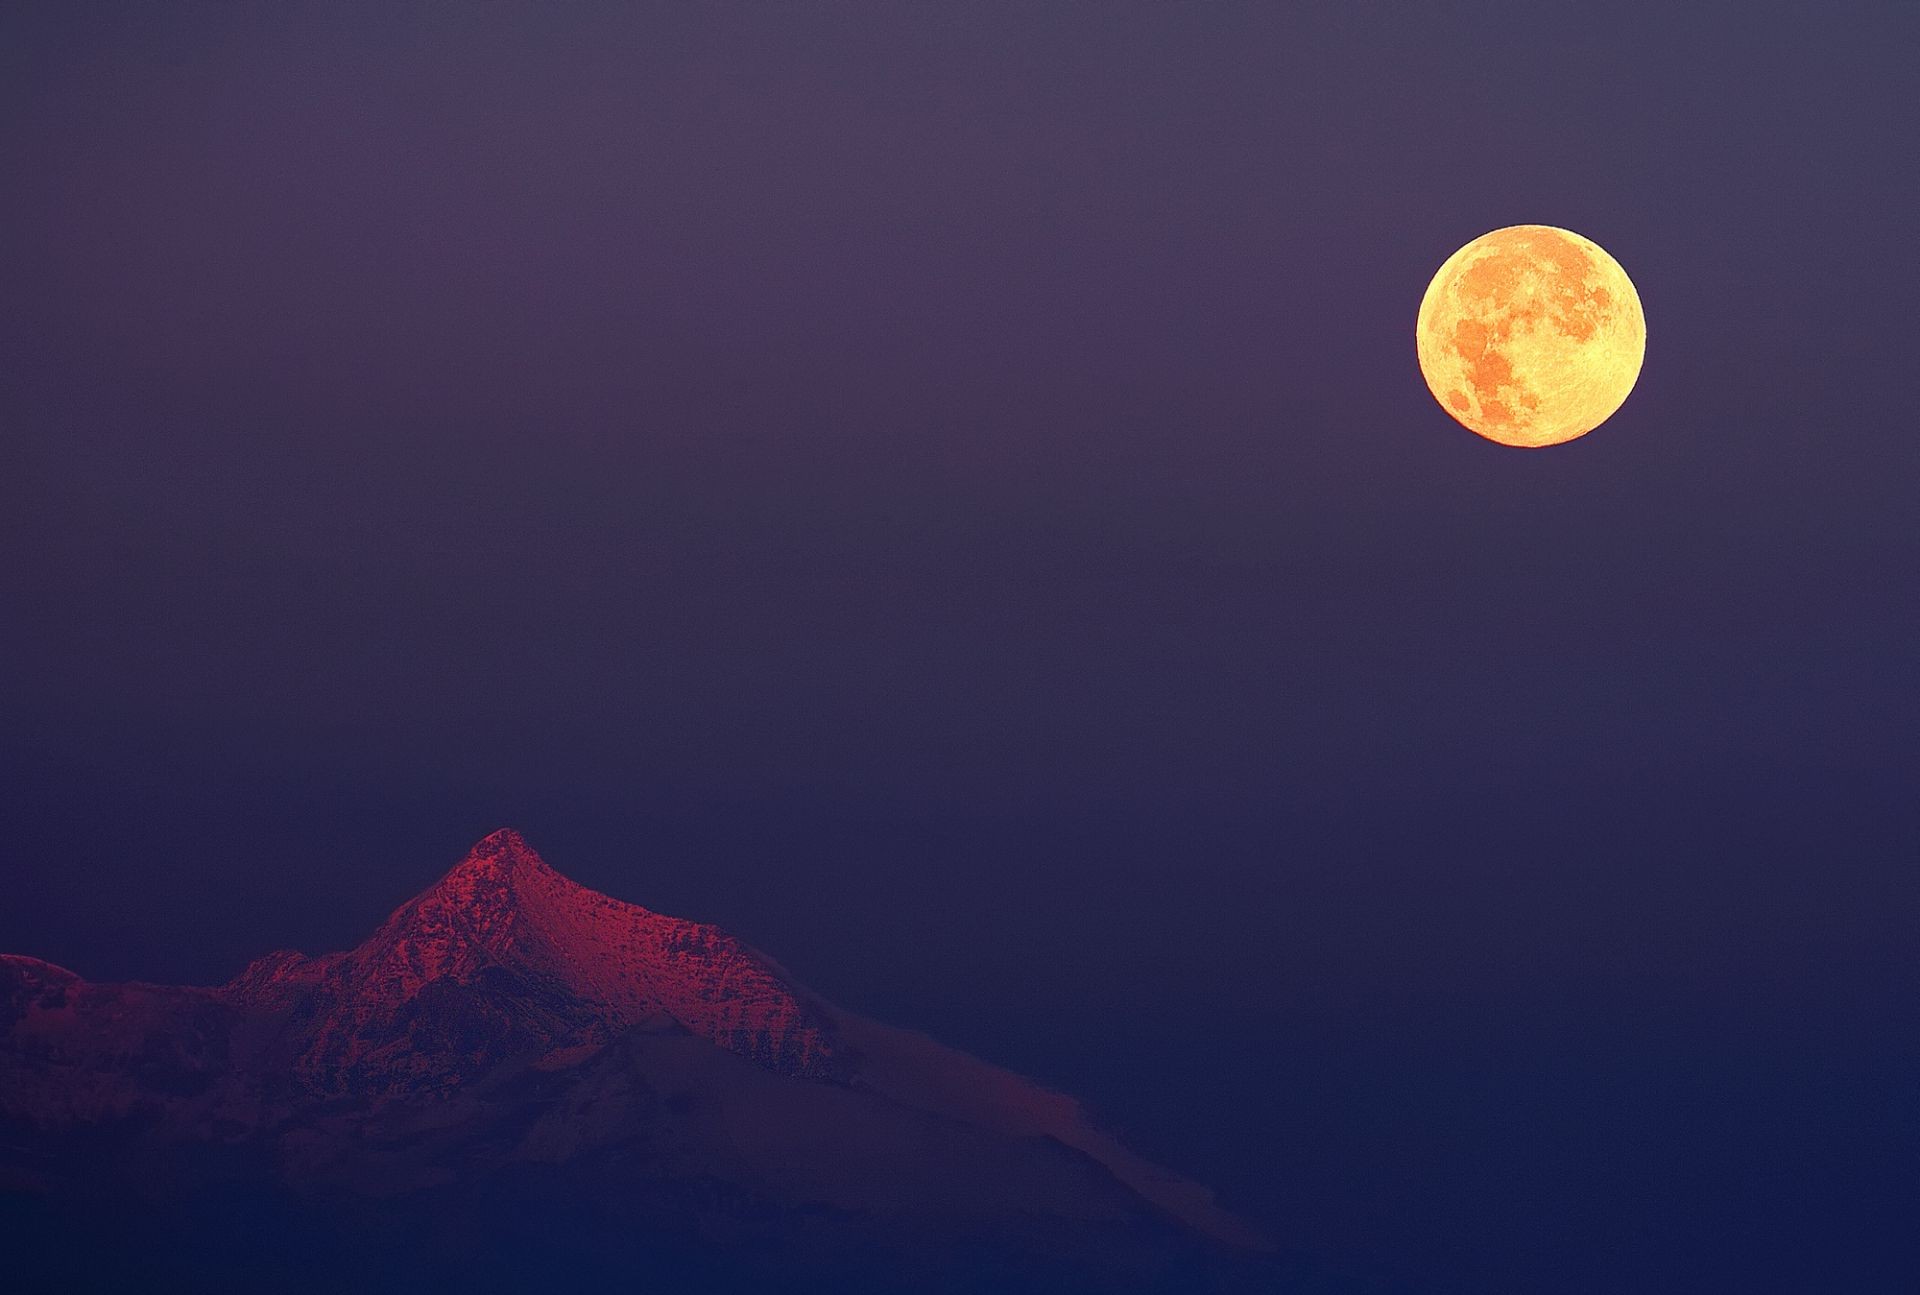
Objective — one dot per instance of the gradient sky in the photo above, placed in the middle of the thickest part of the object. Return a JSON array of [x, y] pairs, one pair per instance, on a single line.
[[946, 492]]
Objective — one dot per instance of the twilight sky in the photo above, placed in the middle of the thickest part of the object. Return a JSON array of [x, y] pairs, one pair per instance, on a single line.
[[946, 492]]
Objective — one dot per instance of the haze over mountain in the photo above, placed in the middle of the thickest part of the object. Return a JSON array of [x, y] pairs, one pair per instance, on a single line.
[[511, 1044]]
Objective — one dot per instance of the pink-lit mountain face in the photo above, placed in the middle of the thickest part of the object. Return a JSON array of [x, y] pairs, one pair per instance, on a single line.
[[503, 958], [507, 1017]]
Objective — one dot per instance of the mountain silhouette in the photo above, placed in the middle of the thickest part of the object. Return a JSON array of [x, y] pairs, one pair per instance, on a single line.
[[510, 1044]]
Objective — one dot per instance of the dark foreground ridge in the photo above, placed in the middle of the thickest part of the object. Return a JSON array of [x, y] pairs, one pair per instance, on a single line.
[[518, 1079]]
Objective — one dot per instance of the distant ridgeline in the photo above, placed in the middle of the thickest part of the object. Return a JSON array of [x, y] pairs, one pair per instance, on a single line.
[[515, 1072]]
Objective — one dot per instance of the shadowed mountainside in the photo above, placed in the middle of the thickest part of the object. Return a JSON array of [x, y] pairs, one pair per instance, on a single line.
[[509, 1038]]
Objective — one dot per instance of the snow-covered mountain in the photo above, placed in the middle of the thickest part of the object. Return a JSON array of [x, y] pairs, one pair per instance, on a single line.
[[508, 1020]]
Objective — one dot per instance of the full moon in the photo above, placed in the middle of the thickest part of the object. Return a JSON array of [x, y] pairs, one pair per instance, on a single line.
[[1531, 335]]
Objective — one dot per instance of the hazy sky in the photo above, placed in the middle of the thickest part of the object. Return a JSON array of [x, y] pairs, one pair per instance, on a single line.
[[946, 492]]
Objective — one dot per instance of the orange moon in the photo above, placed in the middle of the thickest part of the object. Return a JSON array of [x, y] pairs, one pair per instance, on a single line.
[[1531, 335]]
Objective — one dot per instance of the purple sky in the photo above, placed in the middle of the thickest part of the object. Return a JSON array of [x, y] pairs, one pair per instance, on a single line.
[[945, 491]]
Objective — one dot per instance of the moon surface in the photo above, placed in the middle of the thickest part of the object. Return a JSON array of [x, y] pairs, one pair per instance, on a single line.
[[1531, 335]]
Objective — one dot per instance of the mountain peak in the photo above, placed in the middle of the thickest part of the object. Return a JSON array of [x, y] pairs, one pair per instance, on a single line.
[[508, 1005], [502, 853], [498, 896], [504, 951]]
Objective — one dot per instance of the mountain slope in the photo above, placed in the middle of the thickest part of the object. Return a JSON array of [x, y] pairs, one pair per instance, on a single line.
[[508, 1019], [575, 968]]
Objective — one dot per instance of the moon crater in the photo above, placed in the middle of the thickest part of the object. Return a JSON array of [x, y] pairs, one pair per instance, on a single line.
[[1531, 335]]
